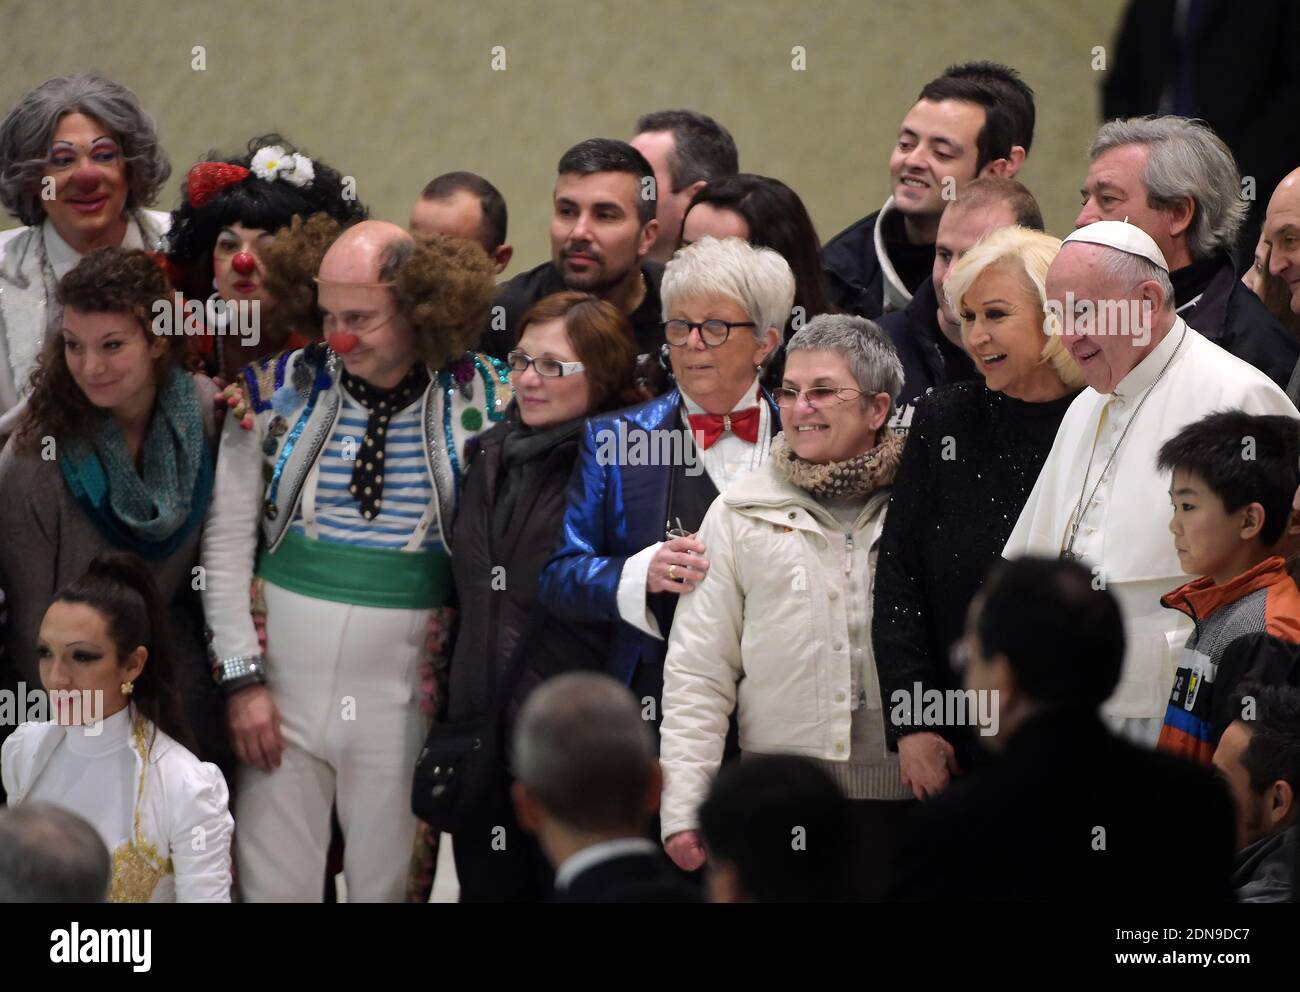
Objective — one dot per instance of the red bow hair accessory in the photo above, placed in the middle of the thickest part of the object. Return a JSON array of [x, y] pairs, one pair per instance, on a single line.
[[207, 179]]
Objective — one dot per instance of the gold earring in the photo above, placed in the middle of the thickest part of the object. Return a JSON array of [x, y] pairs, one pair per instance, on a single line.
[[128, 688]]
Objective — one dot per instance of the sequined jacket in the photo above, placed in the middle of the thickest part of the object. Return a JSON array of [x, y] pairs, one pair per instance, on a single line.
[[295, 401], [181, 830]]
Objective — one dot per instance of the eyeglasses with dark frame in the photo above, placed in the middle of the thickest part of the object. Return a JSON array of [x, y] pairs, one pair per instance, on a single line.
[[552, 368], [816, 396], [712, 332]]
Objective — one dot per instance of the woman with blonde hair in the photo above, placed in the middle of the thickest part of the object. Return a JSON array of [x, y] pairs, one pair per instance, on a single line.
[[973, 454]]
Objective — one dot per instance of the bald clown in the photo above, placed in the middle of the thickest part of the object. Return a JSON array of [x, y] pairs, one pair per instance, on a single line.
[[1099, 497], [336, 488]]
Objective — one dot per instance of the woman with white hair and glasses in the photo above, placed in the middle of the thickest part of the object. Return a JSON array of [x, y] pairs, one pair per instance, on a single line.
[[645, 476], [79, 162], [972, 456], [779, 629]]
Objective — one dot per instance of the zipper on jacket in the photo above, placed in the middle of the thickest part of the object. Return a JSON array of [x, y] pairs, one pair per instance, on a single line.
[[848, 552]]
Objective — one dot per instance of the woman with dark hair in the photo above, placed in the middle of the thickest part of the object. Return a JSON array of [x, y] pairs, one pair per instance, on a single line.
[[79, 162], [769, 214], [114, 749], [115, 452], [575, 357], [231, 209]]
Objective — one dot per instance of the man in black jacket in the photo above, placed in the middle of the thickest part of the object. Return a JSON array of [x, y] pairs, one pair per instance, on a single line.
[[602, 225], [926, 333], [1068, 812], [977, 119], [587, 782], [1176, 180]]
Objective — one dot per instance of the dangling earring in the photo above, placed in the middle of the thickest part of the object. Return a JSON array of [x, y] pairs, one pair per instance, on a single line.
[[128, 688]]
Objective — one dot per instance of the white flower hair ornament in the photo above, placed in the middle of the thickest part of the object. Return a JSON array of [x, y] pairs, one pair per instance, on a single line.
[[272, 162]]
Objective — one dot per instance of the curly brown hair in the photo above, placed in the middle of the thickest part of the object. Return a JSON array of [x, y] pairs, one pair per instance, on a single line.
[[291, 261], [107, 280], [445, 287]]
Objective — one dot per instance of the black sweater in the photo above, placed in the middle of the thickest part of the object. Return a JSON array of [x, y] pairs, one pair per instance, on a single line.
[[971, 458]]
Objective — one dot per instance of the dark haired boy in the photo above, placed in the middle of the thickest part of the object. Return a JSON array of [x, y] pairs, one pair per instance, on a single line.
[[1234, 475]]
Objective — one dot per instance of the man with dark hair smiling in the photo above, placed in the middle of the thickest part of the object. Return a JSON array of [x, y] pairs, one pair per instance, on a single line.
[[602, 227], [977, 119]]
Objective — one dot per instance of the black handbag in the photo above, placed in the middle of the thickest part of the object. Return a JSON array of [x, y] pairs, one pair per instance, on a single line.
[[462, 761]]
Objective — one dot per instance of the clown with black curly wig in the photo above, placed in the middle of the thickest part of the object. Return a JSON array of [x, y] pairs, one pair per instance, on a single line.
[[337, 487], [231, 209]]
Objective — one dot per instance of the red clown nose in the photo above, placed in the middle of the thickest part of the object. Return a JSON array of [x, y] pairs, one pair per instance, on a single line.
[[343, 342], [243, 263]]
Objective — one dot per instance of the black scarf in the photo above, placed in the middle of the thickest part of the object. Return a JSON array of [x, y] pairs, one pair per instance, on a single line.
[[523, 452], [368, 470]]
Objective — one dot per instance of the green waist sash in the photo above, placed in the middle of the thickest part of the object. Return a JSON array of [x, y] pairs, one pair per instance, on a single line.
[[348, 573]]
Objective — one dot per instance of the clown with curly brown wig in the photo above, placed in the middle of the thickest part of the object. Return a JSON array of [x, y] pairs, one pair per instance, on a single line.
[[337, 487]]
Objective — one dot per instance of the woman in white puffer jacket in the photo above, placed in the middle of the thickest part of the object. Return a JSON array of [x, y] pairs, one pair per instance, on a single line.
[[779, 629]]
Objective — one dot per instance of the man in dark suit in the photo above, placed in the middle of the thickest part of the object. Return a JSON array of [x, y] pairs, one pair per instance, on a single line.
[[587, 782], [1068, 812]]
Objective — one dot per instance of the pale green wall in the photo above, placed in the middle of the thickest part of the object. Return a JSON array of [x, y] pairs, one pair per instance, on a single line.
[[394, 93]]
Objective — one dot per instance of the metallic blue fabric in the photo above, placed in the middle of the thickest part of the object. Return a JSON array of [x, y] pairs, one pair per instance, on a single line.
[[613, 512]]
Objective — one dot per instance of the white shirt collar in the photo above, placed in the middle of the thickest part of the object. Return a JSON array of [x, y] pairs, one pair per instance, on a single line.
[[606, 850], [63, 257], [95, 739], [747, 399], [1143, 375]]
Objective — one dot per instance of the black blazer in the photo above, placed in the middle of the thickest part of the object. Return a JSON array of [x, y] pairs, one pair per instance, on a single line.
[[630, 878], [1072, 813]]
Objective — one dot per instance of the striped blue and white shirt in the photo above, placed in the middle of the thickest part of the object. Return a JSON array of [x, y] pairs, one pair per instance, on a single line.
[[407, 486]]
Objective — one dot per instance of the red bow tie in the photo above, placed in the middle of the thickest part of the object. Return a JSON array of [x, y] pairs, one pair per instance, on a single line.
[[708, 427]]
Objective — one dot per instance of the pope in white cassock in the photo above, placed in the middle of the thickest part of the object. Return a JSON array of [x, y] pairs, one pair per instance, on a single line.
[[1099, 497]]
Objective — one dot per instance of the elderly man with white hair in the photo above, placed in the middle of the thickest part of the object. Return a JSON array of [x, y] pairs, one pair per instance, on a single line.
[[1176, 180], [645, 476], [1099, 497]]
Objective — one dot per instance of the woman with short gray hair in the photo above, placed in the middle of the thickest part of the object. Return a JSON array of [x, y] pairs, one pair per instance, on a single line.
[[779, 629], [79, 162]]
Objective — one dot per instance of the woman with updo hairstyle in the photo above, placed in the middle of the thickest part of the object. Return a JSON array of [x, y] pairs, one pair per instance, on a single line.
[[116, 451], [972, 456], [574, 357], [231, 209], [114, 750], [80, 160]]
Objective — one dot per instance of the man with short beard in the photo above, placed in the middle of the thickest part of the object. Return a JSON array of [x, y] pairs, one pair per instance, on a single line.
[[602, 226], [977, 119]]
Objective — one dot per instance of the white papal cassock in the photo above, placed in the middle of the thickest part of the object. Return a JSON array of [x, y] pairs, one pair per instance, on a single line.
[[1123, 532]]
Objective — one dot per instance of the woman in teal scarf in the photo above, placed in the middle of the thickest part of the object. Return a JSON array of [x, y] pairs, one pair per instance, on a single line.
[[114, 452]]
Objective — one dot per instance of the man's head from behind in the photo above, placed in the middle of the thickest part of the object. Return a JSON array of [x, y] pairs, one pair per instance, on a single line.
[[604, 214], [50, 855], [1172, 177], [983, 205], [1233, 478], [1259, 757], [777, 830], [1043, 635], [464, 205], [584, 764], [686, 150], [976, 119]]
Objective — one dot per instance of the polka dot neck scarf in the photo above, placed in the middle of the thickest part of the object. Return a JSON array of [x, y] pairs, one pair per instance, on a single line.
[[383, 404]]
